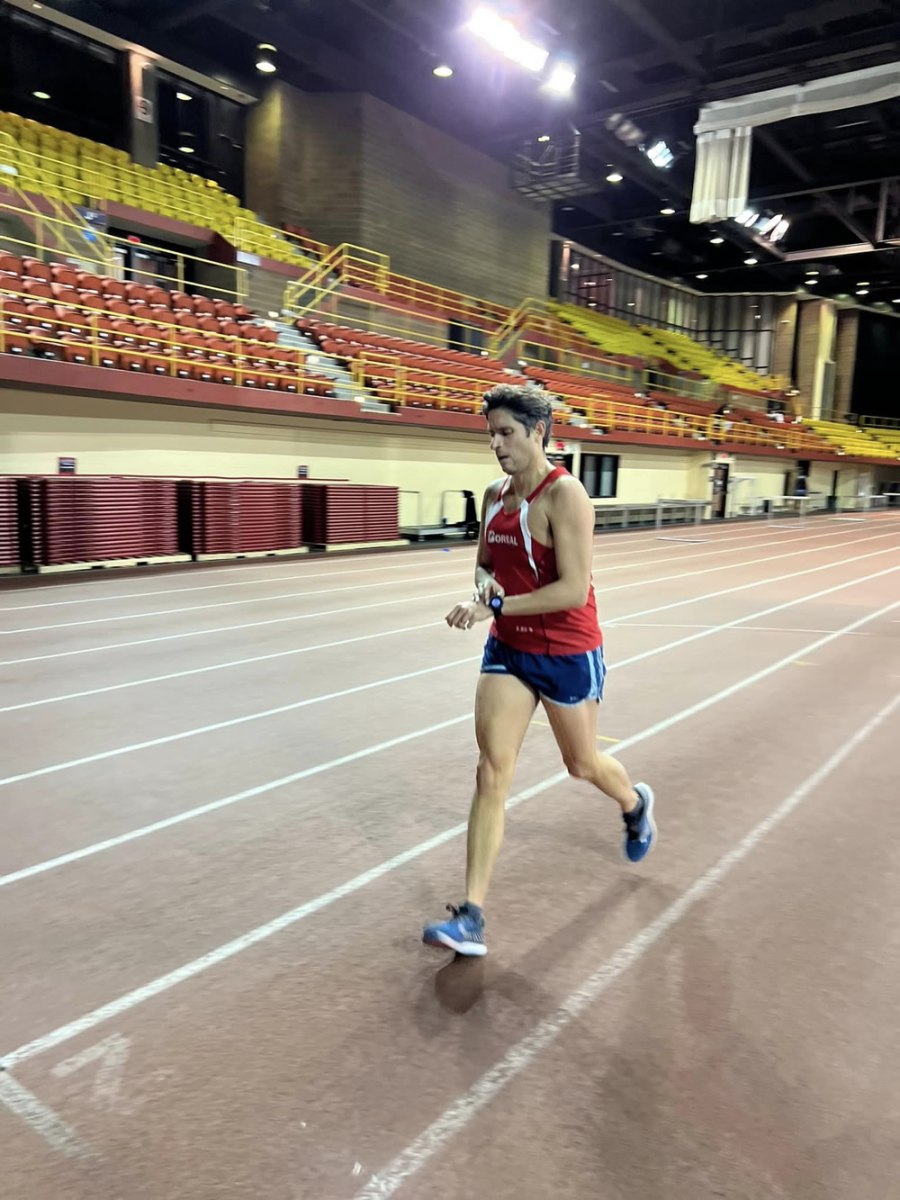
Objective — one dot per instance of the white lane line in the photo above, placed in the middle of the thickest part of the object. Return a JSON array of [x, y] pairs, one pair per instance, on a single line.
[[226, 802], [172, 637], [524, 1053], [742, 587], [119, 751], [223, 666], [355, 587], [260, 568], [130, 1000], [177, 637], [294, 578], [613, 622], [40, 1119], [168, 612], [690, 625], [217, 726]]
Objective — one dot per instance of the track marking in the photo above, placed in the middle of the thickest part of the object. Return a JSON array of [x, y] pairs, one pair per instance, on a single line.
[[607, 567], [171, 637], [236, 662], [190, 970], [619, 587], [524, 1053], [40, 1119], [217, 726], [227, 801]]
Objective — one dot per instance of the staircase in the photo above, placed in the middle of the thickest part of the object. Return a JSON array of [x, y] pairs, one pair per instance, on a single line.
[[345, 387]]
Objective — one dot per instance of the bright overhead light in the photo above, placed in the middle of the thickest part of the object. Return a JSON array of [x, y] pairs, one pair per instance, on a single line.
[[660, 155], [863, 283], [896, 300], [186, 149], [716, 241], [811, 282], [668, 211], [545, 137], [41, 95], [443, 71], [615, 177], [750, 262], [779, 231], [265, 62], [183, 96], [703, 277], [863, 292], [561, 80], [811, 271], [747, 217], [505, 38]]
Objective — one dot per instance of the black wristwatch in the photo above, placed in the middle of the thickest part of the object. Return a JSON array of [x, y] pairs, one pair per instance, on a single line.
[[496, 605]]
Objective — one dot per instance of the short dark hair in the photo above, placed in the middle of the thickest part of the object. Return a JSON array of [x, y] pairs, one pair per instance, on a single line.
[[528, 404]]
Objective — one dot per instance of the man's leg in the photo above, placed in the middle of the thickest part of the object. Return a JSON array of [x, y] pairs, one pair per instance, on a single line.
[[575, 730], [504, 707]]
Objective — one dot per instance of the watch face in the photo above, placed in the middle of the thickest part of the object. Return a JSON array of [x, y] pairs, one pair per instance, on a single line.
[[496, 603]]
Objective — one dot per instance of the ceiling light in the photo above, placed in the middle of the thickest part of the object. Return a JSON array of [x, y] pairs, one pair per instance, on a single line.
[[811, 271], [703, 277], [443, 71], [668, 211], [186, 149], [561, 80], [183, 96], [896, 300], [750, 262], [863, 292], [779, 231], [545, 137], [747, 217], [863, 283], [716, 241], [811, 282], [505, 38], [265, 58], [615, 177], [758, 317], [660, 155], [41, 95]]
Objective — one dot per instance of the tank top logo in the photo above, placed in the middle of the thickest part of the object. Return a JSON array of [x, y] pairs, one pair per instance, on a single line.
[[505, 539]]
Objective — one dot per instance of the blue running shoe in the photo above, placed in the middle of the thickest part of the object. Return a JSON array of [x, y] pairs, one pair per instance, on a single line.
[[640, 828], [463, 933]]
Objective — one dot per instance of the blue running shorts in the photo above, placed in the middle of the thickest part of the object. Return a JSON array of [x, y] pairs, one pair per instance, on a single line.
[[565, 679]]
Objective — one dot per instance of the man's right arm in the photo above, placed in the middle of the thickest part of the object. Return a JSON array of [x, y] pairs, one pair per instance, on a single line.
[[485, 584]]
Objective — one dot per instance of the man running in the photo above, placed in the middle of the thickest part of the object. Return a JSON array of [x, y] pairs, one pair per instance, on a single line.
[[533, 576]]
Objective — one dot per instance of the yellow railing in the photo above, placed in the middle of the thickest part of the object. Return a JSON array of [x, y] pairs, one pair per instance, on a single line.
[[451, 388], [179, 279], [346, 266]]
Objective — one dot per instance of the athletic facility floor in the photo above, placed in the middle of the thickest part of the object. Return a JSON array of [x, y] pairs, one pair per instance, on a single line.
[[232, 796]]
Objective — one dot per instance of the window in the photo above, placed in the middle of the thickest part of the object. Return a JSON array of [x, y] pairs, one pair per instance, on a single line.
[[600, 475]]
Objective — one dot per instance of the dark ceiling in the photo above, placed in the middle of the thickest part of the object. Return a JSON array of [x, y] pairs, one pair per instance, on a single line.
[[836, 176]]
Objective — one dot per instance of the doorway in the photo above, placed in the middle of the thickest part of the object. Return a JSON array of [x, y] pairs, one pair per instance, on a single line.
[[720, 491]]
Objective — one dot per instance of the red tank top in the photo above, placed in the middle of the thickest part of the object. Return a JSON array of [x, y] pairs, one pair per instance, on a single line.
[[522, 564]]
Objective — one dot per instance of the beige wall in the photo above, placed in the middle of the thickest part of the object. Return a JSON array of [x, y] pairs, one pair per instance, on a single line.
[[114, 437]]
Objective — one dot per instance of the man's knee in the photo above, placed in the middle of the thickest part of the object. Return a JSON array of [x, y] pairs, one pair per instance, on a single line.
[[581, 766], [495, 772]]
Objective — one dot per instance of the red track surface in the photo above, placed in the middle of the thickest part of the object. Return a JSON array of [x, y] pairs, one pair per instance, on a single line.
[[213, 985]]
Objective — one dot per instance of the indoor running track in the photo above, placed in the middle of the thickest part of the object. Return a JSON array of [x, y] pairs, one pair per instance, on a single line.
[[231, 797]]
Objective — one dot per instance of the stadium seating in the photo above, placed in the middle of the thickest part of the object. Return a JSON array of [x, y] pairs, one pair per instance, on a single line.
[[61, 166], [650, 344], [54, 310], [860, 442]]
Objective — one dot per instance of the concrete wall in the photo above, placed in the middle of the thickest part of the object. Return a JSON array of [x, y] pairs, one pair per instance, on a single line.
[[350, 168]]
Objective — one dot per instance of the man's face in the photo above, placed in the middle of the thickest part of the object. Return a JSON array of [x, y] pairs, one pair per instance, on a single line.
[[516, 449]]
